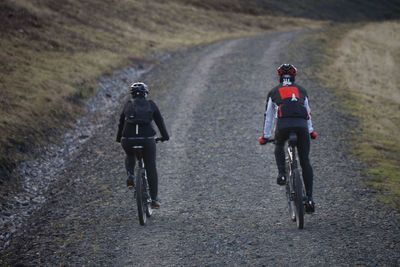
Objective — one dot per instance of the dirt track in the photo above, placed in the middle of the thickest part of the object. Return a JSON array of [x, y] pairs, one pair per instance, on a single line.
[[220, 201]]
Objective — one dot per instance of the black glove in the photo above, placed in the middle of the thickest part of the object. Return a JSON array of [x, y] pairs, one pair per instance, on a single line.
[[164, 138]]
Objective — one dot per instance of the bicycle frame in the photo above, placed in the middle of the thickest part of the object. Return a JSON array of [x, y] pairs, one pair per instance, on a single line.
[[291, 149], [142, 194], [139, 156], [294, 185]]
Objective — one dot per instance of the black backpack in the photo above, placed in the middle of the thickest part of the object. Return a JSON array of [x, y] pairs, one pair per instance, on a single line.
[[292, 108], [290, 100], [138, 111]]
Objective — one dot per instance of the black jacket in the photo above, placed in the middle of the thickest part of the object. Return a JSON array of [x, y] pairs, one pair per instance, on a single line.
[[129, 130], [280, 112]]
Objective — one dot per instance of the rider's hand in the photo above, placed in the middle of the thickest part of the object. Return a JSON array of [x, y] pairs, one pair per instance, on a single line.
[[313, 135], [262, 140], [162, 139]]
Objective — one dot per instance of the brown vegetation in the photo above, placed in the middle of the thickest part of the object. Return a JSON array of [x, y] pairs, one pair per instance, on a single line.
[[366, 66], [359, 63]]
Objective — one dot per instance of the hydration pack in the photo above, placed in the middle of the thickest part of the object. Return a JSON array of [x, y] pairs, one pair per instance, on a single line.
[[291, 105], [138, 111]]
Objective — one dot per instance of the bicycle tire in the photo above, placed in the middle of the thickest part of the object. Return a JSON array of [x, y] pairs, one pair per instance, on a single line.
[[291, 206], [298, 199], [147, 199], [140, 197]]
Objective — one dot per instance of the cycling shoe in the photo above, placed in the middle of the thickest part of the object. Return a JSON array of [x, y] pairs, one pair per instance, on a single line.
[[310, 205], [155, 204], [281, 179], [130, 181]]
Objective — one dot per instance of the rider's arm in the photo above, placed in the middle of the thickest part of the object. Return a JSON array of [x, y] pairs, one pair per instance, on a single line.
[[309, 123], [121, 125], [269, 118], [158, 119]]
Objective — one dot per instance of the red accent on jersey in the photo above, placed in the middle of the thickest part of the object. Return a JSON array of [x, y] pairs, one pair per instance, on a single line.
[[286, 92]]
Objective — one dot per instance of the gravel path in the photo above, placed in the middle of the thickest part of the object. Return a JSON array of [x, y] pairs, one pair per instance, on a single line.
[[220, 201]]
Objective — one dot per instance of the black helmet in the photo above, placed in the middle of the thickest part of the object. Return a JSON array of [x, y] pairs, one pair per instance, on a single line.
[[285, 71], [139, 88]]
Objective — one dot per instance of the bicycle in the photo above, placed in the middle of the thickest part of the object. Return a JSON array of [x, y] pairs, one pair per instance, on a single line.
[[295, 193], [142, 190]]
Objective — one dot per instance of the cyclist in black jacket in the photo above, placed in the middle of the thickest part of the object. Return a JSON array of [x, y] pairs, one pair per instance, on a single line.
[[287, 110], [135, 129]]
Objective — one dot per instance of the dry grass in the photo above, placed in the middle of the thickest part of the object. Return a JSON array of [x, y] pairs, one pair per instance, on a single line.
[[364, 72], [53, 52], [374, 52]]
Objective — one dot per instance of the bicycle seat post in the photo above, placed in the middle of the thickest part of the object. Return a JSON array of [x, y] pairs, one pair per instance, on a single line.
[[139, 154], [292, 139]]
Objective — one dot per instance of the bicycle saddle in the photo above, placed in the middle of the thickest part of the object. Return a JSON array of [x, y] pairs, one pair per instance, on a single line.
[[293, 139]]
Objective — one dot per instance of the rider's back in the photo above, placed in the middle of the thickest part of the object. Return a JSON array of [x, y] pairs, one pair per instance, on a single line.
[[138, 115]]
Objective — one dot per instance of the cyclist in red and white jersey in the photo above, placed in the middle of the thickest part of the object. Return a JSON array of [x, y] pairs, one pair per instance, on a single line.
[[287, 111]]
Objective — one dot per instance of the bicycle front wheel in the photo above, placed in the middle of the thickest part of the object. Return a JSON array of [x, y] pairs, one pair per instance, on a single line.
[[291, 205], [298, 199], [140, 199]]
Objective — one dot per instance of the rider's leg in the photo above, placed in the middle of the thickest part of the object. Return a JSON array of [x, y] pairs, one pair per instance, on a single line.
[[280, 137], [130, 155], [280, 157], [130, 164], [303, 146], [149, 157], [129, 161]]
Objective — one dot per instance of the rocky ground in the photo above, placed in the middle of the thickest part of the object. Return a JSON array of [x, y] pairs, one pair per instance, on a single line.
[[220, 201]]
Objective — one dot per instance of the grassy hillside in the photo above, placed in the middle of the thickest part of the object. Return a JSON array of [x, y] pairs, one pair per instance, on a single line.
[[53, 52], [368, 60], [360, 62]]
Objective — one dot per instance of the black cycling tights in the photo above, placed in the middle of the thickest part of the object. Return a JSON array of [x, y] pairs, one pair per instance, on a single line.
[[149, 158], [303, 147]]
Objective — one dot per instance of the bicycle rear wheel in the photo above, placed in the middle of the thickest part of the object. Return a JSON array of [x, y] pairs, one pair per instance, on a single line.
[[140, 199], [289, 196], [298, 199], [291, 205], [149, 209]]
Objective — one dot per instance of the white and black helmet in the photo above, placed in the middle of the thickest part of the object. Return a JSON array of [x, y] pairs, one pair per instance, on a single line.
[[287, 72], [139, 88]]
